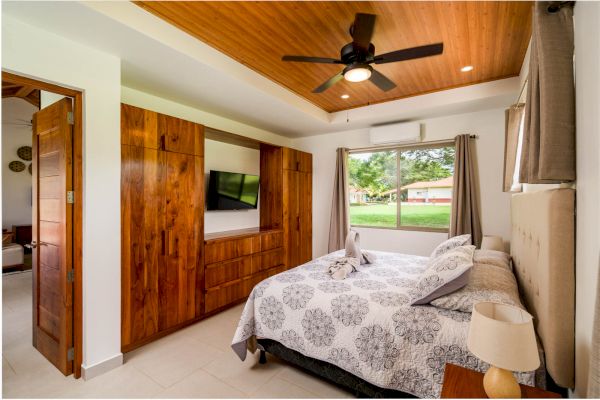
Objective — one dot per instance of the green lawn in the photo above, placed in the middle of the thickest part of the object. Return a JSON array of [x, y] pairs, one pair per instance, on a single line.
[[430, 216]]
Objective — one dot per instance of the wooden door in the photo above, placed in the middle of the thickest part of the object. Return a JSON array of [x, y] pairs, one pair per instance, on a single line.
[[291, 216], [143, 198], [52, 234], [305, 228], [180, 282], [180, 136]]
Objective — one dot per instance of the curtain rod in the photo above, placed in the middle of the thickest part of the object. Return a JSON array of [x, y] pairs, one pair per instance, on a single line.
[[406, 146]]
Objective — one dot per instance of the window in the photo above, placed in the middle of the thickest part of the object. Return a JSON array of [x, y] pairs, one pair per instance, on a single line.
[[402, 188]]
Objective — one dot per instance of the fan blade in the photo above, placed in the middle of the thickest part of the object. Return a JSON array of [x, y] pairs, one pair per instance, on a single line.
[[322, 60], [381, 81], [329, 83], [409, 54], [362, 30]]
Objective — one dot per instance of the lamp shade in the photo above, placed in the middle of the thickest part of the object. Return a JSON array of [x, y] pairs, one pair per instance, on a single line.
[[503, 336], [492, 243]]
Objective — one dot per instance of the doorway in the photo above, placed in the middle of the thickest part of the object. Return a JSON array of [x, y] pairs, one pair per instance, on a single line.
[[55, 207]]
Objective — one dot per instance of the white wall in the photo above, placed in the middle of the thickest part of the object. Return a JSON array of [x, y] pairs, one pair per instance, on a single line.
[[220, 156], [489, 125], [587, 71], [30, 51], [16, 186]]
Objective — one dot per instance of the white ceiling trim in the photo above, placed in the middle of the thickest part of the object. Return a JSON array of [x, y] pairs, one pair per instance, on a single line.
[[150, 25]]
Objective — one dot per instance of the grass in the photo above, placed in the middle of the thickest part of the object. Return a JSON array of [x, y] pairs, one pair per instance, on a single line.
[[429, 216]]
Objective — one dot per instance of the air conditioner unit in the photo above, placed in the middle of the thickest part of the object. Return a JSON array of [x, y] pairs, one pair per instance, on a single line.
[[408, 132]]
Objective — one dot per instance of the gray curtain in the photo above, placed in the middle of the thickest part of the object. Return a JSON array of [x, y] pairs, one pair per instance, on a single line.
[[548, 150], [339, 223], [513, 116], [594, 377], [466, 217]]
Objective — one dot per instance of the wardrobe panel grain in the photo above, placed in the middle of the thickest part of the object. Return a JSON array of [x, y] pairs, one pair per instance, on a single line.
[[180, 136], [139, 127], [271, 187]]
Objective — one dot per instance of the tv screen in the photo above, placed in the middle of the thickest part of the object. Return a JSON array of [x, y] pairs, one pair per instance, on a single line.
[[232, 191]]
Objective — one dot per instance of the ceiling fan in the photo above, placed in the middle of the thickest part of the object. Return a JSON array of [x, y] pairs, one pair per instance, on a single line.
[[360, 53]]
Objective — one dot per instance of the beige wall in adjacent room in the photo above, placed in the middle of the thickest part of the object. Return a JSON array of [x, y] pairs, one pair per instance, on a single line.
[[16, 186]]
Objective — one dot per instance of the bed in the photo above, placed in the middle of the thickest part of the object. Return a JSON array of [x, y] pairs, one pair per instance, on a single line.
[[361, 332]]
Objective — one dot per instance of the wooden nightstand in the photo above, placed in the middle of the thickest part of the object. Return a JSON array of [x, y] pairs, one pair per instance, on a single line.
[[461, 382]]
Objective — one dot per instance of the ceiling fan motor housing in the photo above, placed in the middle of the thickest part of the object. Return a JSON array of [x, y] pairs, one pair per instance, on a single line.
[[351, 53]]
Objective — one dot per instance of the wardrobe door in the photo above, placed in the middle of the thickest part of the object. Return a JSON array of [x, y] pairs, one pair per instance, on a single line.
[[142, 221], [291, 216], [305, 228], [180, 297], [139, 127], [180, 136]]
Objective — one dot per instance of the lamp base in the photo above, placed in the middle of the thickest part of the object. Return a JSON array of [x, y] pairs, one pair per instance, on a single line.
[[501, 383]]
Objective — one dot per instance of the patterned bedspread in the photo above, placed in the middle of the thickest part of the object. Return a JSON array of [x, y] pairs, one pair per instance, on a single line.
[[362, 324]]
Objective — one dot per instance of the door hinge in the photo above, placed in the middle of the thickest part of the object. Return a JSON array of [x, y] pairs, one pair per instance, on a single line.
[[71, 354], [71, 275], [70, 118], [70, 197]]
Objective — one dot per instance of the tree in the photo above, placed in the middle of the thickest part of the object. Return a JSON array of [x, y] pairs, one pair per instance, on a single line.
[[375, 172]]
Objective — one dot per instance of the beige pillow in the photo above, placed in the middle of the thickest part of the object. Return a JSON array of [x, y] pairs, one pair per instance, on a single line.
[[493, 257], [486, 283]]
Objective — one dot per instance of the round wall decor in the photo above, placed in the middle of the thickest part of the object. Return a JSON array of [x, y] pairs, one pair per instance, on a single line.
[[16, 166], [30, 169], [24, 153]]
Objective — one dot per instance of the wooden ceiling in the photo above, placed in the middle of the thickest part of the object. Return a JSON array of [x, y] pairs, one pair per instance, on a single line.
[[27, 93], [490, 36]]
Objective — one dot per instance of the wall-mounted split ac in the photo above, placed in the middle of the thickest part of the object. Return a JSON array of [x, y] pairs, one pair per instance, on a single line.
[[407, 132]]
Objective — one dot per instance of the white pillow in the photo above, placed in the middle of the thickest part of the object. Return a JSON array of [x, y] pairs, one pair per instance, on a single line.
[[444, 274], [450, 244]]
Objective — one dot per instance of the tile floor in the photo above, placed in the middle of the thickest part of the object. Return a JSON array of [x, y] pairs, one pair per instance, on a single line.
[[195, 362]]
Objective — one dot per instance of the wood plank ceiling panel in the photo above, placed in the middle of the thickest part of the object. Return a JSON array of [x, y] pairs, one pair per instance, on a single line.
[[27, 93], [492, 36]]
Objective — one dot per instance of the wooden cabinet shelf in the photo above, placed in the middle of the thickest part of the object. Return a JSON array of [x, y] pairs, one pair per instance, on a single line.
[[236, 261]]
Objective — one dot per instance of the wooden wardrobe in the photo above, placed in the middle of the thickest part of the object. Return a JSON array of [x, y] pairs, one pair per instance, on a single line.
[[172, 273], [297, 206], [162, 207]]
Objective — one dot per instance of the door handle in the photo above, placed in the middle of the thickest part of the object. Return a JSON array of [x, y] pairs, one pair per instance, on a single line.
[[35, 244], [162, 243]]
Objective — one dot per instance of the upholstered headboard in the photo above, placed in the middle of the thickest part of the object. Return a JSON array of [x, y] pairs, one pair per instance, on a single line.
[[543, 252]]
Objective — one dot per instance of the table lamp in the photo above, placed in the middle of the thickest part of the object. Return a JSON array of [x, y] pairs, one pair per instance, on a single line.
[[503, 336]]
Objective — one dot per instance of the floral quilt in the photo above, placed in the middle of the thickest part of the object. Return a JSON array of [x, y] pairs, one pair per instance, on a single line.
[[362, 324]]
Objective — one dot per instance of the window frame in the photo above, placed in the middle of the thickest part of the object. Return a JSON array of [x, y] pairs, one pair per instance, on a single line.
[[398, 149]]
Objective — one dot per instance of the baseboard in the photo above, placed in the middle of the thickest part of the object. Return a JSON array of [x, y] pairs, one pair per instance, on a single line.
[[92, 371]]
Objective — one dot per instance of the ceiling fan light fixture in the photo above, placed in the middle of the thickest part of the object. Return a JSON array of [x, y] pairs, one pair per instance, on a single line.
[[467, 68], [357, 73]]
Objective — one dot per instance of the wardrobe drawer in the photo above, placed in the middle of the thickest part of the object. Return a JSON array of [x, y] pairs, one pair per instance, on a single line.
[[218, 273], [267, 259], [270, 241], [232, 292], [221, 250], [226, 294]]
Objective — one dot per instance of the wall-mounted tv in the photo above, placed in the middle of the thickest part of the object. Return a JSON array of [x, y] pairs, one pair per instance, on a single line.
[[232, 191]]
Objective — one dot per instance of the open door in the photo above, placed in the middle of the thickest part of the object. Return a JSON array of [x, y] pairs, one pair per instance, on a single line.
[[52, 234]]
